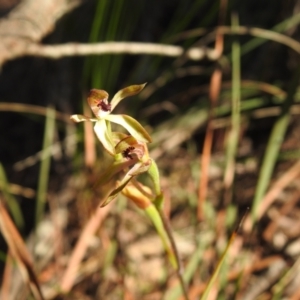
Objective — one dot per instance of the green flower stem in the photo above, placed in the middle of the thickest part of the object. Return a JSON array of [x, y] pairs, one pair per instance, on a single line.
[[163, 228], [179, 269], [156, 219], [158, 202]]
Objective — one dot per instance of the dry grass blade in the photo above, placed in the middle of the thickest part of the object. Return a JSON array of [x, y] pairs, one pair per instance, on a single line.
[[274, 143], [89, 141], [265, 282], [285, 210], [33, 109], [6, 281], [91, 227], [270, 197], [214, 93], [296, 295], [243, 30], [19, 251]]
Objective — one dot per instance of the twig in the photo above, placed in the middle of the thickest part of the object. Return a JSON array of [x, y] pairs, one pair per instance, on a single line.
[[32, 20], [28, 23], [133, 48]]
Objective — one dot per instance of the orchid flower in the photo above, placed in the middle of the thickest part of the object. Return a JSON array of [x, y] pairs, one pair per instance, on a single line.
[[98, 102], [129, 153]]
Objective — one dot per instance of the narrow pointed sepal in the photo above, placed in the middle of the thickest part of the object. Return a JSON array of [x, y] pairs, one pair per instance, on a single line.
[[104, 137], [126, 92], [82, 118], [132, 126]]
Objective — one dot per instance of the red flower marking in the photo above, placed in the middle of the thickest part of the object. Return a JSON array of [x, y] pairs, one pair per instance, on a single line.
[[97, 101], [104, 106], [126, 153]]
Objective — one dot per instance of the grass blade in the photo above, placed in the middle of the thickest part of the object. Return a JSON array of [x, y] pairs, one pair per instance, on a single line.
[[192, 266], [232, 142], [274, 145], [45, 164], [19, 251], [281, 27], [222, 259], [12, 203]]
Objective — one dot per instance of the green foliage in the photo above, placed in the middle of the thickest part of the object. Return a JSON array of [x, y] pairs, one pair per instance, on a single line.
[[11, 201], [45, 165]]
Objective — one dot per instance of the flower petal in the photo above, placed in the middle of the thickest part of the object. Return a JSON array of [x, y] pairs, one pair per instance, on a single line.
[[129, 148], [82, 118], [138, 168], [126, 92], [132, 126], [114, 194], [118, 136], [113, 169], [125, 143], [98, 102], [137, 196], [104, 137]]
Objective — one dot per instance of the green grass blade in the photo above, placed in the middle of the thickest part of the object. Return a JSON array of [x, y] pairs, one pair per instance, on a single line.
[[222, 260], [232, 142], [91, 62], [110, 24], [11, 201], [274, 144], [112, 65], [181, 21], [203, 243], [281, 27], [45, 165], [218, 268]]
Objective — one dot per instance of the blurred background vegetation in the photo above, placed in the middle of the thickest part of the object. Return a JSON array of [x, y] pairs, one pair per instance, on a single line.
[[47, 165]]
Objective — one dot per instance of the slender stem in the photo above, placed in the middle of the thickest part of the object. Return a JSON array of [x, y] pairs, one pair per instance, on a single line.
[[179, 270], [158, 202]]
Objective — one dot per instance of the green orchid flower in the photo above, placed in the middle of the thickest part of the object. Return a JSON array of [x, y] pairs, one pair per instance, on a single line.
[[130, 153], [98, 102]]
